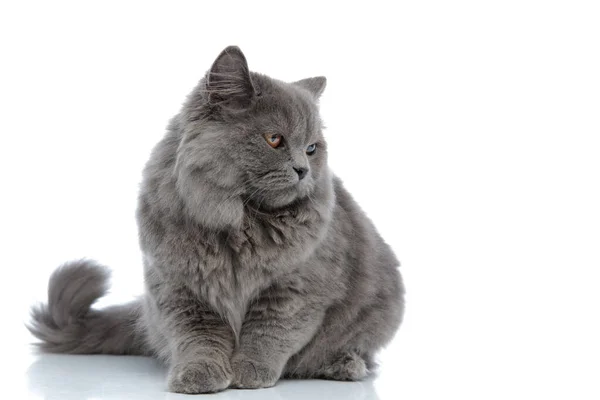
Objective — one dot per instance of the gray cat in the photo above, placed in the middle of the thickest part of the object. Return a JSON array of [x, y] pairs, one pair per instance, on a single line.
[[258, 263]]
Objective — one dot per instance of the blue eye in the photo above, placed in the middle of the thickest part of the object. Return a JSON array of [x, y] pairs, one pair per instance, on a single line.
[[310, 150]]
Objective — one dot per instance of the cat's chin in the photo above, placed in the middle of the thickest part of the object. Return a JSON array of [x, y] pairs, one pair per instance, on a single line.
[[280, 199], [275, 200]]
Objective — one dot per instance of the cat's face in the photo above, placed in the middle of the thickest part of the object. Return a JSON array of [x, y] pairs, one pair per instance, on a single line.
[[279, 148], [259, 138]]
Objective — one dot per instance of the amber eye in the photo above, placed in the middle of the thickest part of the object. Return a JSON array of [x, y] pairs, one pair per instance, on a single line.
[[274, 140]]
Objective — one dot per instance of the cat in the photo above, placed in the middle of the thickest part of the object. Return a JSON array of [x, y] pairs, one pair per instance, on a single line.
[[258, 264]]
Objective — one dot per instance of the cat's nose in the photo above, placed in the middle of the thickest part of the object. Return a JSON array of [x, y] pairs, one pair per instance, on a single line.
[[301, 172]]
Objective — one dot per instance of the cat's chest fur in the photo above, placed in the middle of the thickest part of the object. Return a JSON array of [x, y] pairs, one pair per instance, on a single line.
[[228, 269]]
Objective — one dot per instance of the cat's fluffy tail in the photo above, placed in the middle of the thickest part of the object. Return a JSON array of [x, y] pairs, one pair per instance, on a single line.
[[67, 324]]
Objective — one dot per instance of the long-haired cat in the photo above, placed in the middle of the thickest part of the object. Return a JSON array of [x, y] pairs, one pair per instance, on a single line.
[[258, 263]]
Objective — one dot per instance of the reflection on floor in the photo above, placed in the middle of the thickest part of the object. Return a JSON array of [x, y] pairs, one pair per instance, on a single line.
[[70, 377]]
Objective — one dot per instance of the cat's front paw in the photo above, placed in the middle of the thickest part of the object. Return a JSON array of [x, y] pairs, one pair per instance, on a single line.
[[203, 376], [250, 374], [347, 367]]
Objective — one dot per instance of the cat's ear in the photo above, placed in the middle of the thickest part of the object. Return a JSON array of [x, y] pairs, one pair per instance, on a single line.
[[228, 82], [315, 85]]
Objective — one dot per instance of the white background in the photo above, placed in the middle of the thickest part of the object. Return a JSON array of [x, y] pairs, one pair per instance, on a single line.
[[468, 131]]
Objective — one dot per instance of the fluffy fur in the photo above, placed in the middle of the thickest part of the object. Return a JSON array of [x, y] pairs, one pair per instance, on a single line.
[[252, 274]]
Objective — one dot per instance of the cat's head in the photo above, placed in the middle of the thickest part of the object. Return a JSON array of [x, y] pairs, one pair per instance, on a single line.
[[248, 139]]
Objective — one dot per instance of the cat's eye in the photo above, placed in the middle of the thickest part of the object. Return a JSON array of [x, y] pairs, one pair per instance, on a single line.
[[310, 150], [274, 140]]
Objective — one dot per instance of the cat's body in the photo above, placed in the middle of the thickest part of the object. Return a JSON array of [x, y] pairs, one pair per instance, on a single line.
[[252, 273]]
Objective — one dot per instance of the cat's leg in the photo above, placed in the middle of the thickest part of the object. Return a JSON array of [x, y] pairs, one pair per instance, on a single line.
[[277, 325], [344, 348], [200, 344]]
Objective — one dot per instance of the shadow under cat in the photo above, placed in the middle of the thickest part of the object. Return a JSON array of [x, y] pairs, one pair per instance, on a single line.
[[70, 377]]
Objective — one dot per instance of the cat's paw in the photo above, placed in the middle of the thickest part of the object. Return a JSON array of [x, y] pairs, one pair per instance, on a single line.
[[249, 374], [203, 376], [347, 367]]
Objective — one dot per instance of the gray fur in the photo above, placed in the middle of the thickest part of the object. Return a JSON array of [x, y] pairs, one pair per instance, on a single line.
[[67, 324], [251, 274]]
